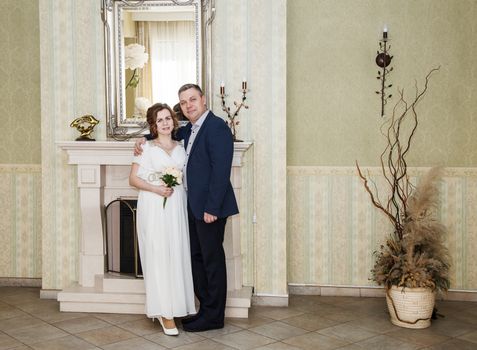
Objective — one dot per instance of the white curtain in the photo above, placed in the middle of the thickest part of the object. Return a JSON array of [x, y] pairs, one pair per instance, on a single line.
[[172, 55]]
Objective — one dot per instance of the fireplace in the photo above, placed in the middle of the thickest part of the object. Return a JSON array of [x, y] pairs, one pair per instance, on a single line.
[[103, 169], [122, 250]]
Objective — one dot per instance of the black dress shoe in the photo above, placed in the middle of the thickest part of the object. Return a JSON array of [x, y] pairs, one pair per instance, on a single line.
[[201, 325], [190, 319]]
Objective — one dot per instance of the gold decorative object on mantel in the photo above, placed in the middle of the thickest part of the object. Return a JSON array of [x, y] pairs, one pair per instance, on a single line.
[[85, 126]]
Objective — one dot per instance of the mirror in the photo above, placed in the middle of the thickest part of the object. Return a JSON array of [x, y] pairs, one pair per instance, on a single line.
[[152, 48]]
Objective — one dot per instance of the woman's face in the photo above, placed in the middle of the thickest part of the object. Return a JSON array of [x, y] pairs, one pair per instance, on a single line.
[[164, 122]]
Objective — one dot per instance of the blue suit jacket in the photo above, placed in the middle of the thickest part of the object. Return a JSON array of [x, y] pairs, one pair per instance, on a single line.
[[208, 168]]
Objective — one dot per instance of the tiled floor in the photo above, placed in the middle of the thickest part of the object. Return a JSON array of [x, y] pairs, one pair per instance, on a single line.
[[310, 322]]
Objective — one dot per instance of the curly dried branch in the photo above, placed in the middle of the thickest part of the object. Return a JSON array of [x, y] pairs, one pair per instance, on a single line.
[[393, 158], [375, 202]]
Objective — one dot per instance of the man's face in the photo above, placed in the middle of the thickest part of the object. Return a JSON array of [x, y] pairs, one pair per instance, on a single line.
[[192, 104]]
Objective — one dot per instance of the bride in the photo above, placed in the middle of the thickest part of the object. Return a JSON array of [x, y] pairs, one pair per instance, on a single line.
[[162, 226]]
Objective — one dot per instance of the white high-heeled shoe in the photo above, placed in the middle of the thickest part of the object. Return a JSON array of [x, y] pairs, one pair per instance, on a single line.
[[168, 331]]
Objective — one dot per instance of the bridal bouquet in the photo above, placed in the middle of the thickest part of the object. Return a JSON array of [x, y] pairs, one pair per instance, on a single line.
[[171, 177]]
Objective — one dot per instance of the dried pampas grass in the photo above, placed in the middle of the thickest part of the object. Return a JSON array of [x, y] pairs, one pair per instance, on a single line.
[[420, 258]]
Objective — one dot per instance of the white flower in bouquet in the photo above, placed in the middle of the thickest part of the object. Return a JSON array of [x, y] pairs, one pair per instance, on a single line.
[[171, 177]]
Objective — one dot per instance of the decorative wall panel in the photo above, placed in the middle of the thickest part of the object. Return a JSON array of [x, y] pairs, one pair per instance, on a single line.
[[72, 84], [250, 41], [333, 229]]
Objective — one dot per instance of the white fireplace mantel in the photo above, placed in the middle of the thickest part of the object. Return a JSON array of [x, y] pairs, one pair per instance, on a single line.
[[103, 172], [120, 152]]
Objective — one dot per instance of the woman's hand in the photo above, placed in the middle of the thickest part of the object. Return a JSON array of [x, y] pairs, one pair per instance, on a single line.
[[138, 146], [209, 218], [163, 191]]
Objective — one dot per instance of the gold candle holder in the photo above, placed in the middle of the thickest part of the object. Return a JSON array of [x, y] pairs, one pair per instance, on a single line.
[[232, 122]]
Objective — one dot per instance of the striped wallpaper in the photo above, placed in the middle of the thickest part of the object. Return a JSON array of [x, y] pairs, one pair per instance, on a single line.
[[333, 229], [20, 227]]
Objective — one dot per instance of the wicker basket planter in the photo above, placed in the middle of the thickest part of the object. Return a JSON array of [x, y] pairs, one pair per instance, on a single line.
[[410, 307]]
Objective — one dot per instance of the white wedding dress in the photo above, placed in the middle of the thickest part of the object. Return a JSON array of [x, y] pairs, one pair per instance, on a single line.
[[163, 236]]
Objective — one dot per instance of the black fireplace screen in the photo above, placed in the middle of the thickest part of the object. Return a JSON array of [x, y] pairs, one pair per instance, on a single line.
[[121, 246]]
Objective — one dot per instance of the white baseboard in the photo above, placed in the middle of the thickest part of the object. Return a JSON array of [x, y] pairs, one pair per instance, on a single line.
[[49, 293], [280, 300], [368, 291]]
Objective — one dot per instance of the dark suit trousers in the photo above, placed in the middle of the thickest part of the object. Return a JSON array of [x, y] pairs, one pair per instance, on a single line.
[[208, 267]]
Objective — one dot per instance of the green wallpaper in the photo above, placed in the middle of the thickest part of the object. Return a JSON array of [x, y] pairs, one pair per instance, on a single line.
[[333, 113], [20, 87]]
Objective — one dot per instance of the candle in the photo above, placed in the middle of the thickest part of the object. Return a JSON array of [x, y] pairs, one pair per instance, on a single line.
[[385, 32], [222, 88], [244, 84]]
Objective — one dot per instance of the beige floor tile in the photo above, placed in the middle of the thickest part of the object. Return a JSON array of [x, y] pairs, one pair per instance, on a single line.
[[310, 322], [81, 324], [315, 341], [338, 301], [18, 322], [141, 327], [470, 337], [253, 320], [21, 298], [65, 343], [120, 318], [347, 332], [466, 317], [425, 337], [7, 342], [368, 306], [134, 343], [244, 340], [36, 334], [324, 322], [278, 330], [9, 311], [378, 324], [168, 341], [277, 346], [451, 327], [386, 342], [33, 307], [453, 344], [228, 328], [204, 345], [318, 308], [344, 315], [277, 313], [447, 308], [106, 335], [354, 347]]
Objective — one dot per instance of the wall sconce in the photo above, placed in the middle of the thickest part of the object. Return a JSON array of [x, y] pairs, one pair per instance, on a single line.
[[232, 115], [383, 60]]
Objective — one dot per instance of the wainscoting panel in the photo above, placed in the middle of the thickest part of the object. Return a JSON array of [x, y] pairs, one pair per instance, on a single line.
[[333, 229], [20, 227]]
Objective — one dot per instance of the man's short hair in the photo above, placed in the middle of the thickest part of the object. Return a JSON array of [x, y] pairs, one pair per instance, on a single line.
[[190, 86]]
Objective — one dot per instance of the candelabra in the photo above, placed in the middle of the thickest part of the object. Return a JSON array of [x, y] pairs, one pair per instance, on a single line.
[[232, 123], [383, 60]]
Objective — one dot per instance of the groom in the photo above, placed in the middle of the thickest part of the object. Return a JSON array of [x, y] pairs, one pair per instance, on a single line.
[[210, 200]]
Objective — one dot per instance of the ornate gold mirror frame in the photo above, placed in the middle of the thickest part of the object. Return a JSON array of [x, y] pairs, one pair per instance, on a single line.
[[120, 76]]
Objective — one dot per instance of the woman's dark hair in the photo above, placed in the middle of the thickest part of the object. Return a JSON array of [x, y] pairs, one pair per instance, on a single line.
[[151, 117]]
